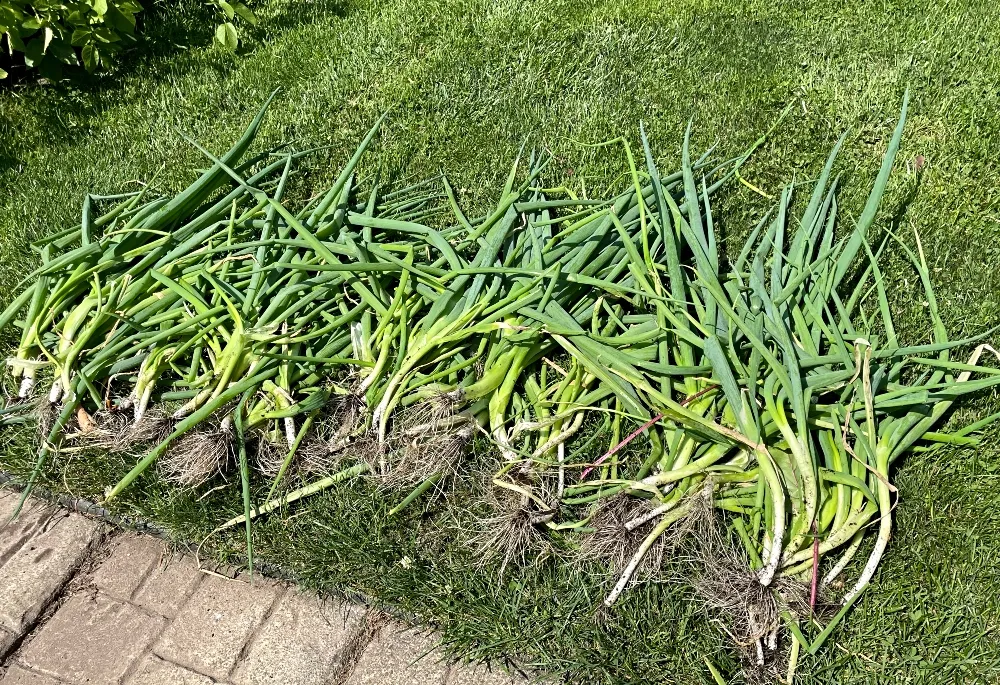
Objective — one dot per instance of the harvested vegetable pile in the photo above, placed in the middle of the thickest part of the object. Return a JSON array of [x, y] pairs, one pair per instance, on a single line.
[[747, 407]]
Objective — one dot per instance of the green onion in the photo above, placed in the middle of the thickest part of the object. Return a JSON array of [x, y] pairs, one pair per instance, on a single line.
[[380, 332]]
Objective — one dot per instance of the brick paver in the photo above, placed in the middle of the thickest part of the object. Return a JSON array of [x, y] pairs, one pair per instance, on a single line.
[[131, 560], [154, 671], [38, 570], [400, 656], [20, 530], [169, 585], [301, 643], [211, 630], [87, 626], [21, 676], [7, 640]]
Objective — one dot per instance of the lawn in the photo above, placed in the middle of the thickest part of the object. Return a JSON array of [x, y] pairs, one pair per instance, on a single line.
[[465, 83]]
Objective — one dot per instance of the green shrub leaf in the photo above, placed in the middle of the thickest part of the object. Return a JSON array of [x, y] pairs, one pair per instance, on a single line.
[[10, 16], [91, 57], [105, 35], [63, 52], [80, 37], [33, 52], [245, 12], [50, 68], [14, 42], [226, 34], [123, 21], [100, 7], [227, 8]]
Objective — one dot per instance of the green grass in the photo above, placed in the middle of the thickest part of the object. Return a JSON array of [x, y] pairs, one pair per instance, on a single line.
[[466, 82]]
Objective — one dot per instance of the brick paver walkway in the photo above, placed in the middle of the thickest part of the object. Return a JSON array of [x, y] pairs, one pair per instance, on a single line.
[[83, 604]]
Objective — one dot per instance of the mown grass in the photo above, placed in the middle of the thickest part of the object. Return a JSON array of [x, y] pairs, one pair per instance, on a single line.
[[466, 82]]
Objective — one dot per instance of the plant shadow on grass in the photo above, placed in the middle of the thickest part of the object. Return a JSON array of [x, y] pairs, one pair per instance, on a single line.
[[295, 13], [7, 161]]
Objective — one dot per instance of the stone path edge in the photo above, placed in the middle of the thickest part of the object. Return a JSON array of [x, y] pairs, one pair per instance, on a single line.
[[87, 508], [267, 569]]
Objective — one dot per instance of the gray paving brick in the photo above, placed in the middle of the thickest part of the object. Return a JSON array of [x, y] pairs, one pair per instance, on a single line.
[[129, 562], [29, 521], [211, 630], [32, 577], [22, 676], [301, 642], [7, 640], [168, 586], [91, 639], [154, 671], [400, 656]]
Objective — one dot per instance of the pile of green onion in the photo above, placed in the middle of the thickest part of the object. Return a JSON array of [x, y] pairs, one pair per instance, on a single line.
[[630, 376]]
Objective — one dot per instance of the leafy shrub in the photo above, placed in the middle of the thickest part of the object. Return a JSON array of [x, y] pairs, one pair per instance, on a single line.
[[54, 33], [51, 33]]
